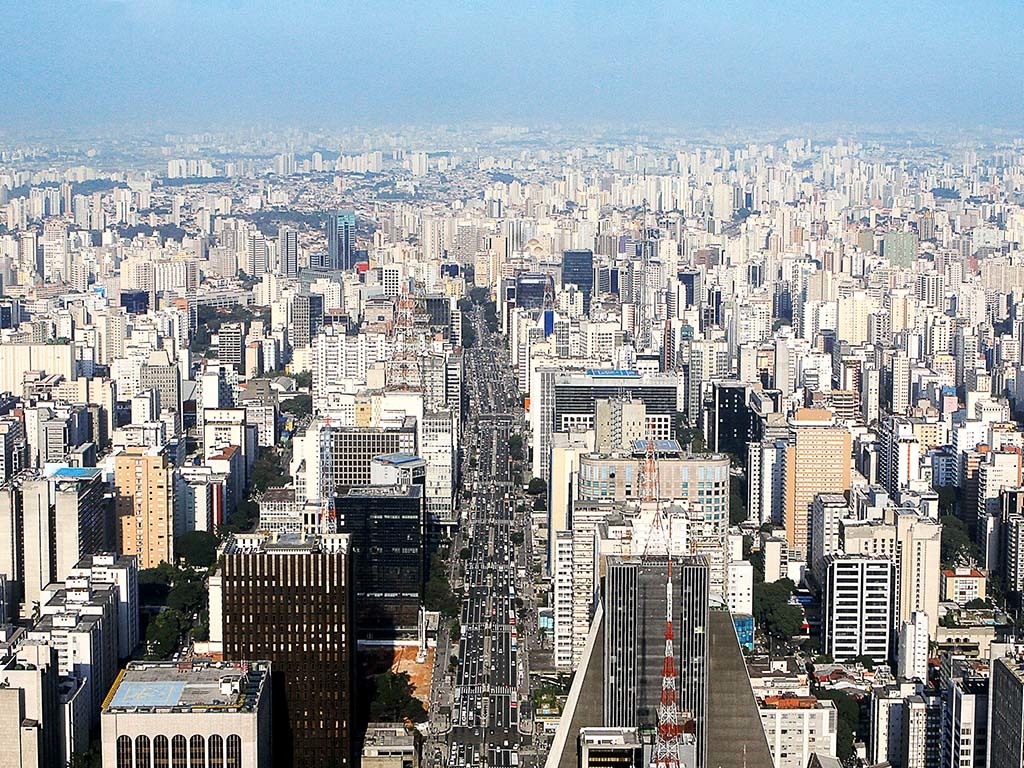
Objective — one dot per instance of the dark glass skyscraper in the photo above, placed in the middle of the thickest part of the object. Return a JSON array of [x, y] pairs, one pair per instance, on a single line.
[[341, 240], [288, 599], [578, 270], [531, 287], [386, 523]]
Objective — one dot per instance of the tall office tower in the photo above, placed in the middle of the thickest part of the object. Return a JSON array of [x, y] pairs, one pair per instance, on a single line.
[[31, 715], [965, 719], [886, 720], [177, 715], [1012, 556], [533, 288], [257, 255], [709, 359], [900, 248], [307, 319], [899, 383], [816, 460], [899, 459], [731, 422], [387, 531], [341, 240], [922, 729], [230, 342], [1006, 707], [618, 424], [288, 252], [160, 373], [144, 506], [912, 659], [998, 471], [288, 599], [635, 602], [578, 270], [857, 607], [576, 396]]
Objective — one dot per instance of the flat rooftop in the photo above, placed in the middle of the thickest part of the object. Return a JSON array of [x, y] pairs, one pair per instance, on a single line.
[[187, 686]]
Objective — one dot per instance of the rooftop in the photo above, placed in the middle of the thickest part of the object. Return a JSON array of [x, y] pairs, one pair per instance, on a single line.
[[76, 473], [187, 686]]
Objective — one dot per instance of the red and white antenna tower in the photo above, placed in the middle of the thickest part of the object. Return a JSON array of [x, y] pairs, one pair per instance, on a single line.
[[667, 740]]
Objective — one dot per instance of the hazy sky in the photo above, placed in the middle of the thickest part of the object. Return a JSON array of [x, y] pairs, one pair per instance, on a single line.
[[227, 62]]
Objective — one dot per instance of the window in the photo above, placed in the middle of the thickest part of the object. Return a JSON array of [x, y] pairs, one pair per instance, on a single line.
[[234, 751], [197, 757], [216, 745], [179, 752], [161, 753], [124, 752], [142, 752]]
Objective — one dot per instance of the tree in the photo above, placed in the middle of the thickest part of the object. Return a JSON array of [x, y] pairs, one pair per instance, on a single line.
[[268, 469], [298, 406], [537, 486], [517, 538], [540, 504], [956, 548], [303, 379], [775, 615], [187, 598], [393, 699], [163, 634], [197, 548], [515, 447], [847, 720], [977, 604]]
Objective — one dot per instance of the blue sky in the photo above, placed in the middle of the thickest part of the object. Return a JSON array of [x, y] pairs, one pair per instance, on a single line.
[[191, 64]]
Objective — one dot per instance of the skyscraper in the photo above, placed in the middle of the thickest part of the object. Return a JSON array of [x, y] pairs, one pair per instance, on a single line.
[[635, 597], [144, 506], [288, 599], [817, 460], [288, 252], [341, 240], [386, 523], [578, 270]]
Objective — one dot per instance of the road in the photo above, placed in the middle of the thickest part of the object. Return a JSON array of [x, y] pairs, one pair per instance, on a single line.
[[491, 679]]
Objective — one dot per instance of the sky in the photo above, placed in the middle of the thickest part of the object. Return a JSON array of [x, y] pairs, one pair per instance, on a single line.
[[188, 64]]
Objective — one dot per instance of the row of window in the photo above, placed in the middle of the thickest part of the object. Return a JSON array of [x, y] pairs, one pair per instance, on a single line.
[[179, 752]]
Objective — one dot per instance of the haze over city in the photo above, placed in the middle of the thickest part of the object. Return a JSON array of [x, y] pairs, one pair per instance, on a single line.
[[511, 385], [177, 64]]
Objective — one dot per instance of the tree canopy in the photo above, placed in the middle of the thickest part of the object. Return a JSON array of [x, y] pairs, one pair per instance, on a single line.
[[197, 548], [393, 699], [957, 548], [779, 620]]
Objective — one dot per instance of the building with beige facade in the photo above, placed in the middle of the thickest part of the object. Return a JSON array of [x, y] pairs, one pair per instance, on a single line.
[[144, 506]]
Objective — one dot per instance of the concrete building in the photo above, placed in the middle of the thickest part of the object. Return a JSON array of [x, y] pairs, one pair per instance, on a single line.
[[144, 506], [288, 598], [1006, 711], [797, 727], [817, 460], [390, 745], [194, 713], [857, 607]]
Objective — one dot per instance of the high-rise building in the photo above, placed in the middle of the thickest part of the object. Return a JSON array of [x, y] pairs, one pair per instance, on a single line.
[[287, 598], [857, 607], [965, 722], [341, 240], [817, 460], [578, 270], [230, 342], [144, 506], [288, 252], [1006, 711], [798, 727], [387, 529], [634, 648]]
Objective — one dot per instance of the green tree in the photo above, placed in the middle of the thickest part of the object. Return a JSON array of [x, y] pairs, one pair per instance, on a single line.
[[517, 538], [163, 634], [515, 447], [187, 598], [847, 719], [393, 699], [537, 486], [956, 548], [540, 504], [303, 379], [777, 618], [198, 548], [737, 500], [298, 406]]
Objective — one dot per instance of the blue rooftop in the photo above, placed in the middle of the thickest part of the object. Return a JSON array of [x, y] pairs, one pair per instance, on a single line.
[[76, 473], [396, 458]]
